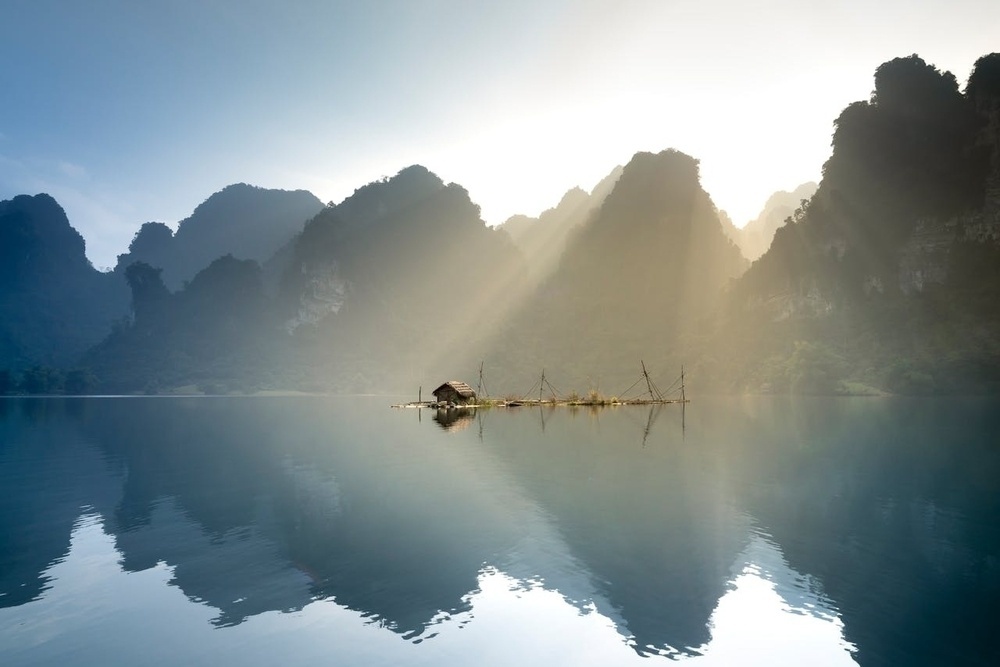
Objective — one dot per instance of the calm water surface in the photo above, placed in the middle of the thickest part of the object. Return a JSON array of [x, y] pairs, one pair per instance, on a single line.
[[763, 531]]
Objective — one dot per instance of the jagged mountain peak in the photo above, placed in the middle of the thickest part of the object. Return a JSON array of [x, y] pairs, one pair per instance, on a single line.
[[149, 234], [984, 82], [241, 199], [247, 221], [380, 198], [35, 232], [664, 182], [42, 199], [782, 198], [53, 302], [573, 197]]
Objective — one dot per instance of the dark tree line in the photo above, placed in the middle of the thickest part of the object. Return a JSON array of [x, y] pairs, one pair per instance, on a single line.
[[45, 380]]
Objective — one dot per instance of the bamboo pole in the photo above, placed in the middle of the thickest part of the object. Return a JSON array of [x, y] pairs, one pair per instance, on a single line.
[[649, 385]]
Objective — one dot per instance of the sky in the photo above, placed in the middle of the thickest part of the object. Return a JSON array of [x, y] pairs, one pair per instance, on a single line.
[[128, 112]]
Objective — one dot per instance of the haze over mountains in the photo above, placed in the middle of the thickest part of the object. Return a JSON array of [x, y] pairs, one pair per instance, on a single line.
[[241, 220], [886, 278], [755, 237], [542, 240], [637, 278]]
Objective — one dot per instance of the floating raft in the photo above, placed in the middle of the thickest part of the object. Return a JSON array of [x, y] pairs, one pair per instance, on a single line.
[[653, 396], [530, 402]]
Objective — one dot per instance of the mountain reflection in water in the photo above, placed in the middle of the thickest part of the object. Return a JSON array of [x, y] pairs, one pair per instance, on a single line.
[[864, 528]]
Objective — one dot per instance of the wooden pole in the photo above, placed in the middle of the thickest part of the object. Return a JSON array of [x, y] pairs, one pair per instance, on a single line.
[[541, 386], [483, 389], [420, 394], [649, 385], [682, 384]]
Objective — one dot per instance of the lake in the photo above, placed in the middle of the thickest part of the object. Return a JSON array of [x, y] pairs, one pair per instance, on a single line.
[[303, 530]]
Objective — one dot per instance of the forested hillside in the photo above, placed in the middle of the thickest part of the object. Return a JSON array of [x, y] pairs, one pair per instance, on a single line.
[[891, 274], [53, 303]]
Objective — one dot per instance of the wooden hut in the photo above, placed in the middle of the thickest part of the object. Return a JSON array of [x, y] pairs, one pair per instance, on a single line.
[[455, 392]]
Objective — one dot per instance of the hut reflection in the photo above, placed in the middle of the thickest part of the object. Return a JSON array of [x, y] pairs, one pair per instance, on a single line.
[[454, 419]]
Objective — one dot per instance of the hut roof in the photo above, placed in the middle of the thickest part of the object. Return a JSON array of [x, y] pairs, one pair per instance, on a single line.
[[462, 389]]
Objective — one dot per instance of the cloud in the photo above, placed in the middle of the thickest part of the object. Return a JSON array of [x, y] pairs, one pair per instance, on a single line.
[[72, 170]]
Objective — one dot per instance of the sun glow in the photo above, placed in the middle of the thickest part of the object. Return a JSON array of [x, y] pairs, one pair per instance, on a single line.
[[524, 163]]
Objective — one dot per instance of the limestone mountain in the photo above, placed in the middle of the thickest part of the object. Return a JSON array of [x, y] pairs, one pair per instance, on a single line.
[[53, 303], [241, 220], [637, 281], [399, 276], [890, 274]]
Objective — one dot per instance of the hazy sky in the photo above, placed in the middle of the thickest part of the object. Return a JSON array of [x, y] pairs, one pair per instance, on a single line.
[[128, 111]]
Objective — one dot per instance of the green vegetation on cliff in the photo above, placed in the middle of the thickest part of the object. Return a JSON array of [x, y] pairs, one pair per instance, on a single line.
[[892, 265]]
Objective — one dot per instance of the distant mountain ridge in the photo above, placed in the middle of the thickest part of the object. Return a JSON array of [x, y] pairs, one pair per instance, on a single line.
[[542, 240], [755, 237], [242, 220], [355, 308]]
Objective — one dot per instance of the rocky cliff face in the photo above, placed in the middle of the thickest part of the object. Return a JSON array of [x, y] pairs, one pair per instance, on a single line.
[[53, 303], [894, 258], [925, 258], [323, 294]]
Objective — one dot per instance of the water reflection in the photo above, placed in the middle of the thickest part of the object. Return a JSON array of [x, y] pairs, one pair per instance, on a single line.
[[846, 493], [773, 615], [454, 419], [48, 474], [870, 522], [655, 528]]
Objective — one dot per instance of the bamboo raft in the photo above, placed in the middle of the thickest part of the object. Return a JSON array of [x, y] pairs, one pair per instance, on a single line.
[[545, 402], [653, 396]]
